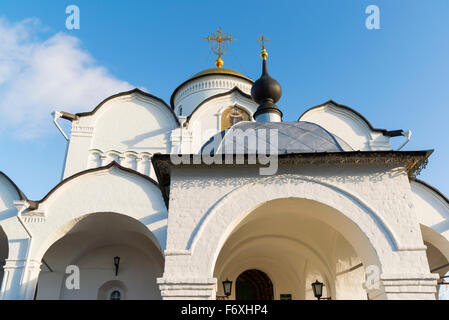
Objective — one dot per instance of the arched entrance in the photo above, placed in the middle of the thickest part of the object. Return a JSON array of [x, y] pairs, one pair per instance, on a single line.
[[294, 248], [91, 245], [253, 285]]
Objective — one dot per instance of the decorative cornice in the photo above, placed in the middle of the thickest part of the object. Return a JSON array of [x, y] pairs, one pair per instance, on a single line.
[[33, 216], [82, 131], [412, 161]]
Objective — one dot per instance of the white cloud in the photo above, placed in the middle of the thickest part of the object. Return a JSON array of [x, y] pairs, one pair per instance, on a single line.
[[40, 76]]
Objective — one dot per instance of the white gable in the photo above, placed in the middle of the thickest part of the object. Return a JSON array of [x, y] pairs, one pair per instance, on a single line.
[[126, 128], [205, 121], [348, 125]]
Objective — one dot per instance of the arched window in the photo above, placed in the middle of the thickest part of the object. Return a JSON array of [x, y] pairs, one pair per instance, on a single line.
[[233, 115], [115, 295]]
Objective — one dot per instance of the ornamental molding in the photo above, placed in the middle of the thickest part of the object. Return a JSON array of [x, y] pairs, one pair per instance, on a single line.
[[410, 162], [82, 131], [33, 216]]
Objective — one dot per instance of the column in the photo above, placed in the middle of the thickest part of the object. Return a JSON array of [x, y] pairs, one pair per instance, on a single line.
[[181, 282], [29, 281], [12, 279], [20, 275]]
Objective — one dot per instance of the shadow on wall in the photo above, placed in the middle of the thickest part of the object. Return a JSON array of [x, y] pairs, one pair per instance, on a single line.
[[141, 137]]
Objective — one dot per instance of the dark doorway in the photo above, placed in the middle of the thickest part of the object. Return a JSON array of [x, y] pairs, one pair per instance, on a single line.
[[253, 285]]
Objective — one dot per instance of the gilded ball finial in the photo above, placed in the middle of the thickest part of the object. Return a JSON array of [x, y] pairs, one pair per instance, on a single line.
[[264, 54], [219, 62]]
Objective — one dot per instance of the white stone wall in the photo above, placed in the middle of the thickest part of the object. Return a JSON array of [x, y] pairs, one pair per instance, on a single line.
[[374, 206]]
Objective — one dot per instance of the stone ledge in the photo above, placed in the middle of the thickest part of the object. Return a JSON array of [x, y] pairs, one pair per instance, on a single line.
[[193, 288], [413, 276]]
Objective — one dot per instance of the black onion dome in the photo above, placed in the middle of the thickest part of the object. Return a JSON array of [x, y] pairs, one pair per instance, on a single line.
[[266, 91], [266, 88]]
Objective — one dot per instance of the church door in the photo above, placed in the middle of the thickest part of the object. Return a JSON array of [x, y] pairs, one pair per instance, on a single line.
[[254, 285]]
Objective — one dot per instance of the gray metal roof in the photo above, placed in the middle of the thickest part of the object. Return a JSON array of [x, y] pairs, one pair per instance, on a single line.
[[248, 137]]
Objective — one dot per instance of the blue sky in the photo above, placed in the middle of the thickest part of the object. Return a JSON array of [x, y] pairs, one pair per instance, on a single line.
[[397, 77]]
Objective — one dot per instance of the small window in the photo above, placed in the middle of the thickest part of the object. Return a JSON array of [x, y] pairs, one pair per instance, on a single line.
[[115, 295]]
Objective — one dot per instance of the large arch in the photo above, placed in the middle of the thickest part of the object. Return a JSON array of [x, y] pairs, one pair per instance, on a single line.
[[90, 244], [283, 239], [350, 216], [111, 188]]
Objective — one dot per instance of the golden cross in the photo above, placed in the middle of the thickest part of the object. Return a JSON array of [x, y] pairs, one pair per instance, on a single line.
[[263, 40], [220, 46], [264, 53]]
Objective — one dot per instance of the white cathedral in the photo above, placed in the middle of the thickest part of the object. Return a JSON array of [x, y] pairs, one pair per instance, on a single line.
[[341, 210]]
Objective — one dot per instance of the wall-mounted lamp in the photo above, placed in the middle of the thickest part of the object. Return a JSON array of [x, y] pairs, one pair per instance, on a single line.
[[116, 264], [227, 289], [317, 288]]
